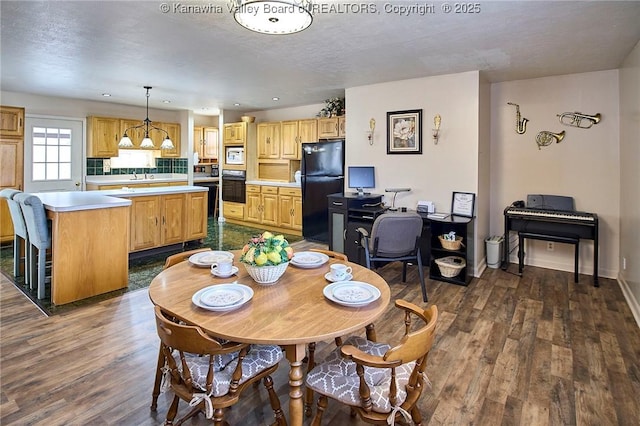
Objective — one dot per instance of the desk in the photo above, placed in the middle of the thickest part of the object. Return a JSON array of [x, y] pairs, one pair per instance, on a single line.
[[292, 313]]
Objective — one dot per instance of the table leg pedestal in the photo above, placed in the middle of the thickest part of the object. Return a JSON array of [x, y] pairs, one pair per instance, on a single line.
[[295, 355]]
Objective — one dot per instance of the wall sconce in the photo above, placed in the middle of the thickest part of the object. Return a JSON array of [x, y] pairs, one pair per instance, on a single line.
[[436, 128], [372, 127]]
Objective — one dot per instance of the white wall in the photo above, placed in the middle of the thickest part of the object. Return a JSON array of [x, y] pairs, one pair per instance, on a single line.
[[585, 165], [629, 179]]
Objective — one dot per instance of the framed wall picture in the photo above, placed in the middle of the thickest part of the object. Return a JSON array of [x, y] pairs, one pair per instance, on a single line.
[[462, 204], [404, 132]]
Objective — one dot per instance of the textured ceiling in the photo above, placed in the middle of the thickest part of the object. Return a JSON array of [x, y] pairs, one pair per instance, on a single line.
[[195, 60]]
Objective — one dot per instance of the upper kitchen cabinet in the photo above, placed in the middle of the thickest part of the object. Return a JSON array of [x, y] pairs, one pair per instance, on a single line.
[[269, 140], [235, 133], [205, 143], [332, 127], [11, 122], [173, 129], [102, 137], [135, 135], [294, 134]]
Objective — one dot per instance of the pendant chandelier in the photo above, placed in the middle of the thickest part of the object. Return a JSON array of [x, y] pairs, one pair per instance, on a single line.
[[273, 16], [126, 142]]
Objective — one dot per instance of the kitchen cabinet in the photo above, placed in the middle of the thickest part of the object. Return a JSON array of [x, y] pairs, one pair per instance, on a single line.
[[290, 208], [463, 227], [294, 134], [102, 137], [269, 140], [233, 211], [11, 122], [160, 220], [235, 133], [12, 160], [262, 204], [332, 127], [173, 129], [136, 135], [197, 214], [205, 143]]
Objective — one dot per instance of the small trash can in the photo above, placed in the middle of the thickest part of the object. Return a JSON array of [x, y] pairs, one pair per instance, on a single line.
[[494, 251]]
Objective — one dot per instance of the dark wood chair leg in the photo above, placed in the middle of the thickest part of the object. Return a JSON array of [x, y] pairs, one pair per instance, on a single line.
[[275, 402], [322, 405], [308, 393], [371, 332], [158, 381]]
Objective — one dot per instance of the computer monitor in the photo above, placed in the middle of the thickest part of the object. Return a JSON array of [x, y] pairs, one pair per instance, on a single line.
[[361, 178]]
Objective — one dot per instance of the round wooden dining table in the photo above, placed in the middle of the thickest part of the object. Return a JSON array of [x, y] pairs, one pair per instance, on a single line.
[[291, 313]]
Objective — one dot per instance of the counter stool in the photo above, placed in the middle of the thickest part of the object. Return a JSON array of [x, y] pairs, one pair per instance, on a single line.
[[39, 238], [20, 234]]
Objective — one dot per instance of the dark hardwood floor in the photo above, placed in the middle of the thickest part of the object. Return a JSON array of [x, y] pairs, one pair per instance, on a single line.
[[536, 350]]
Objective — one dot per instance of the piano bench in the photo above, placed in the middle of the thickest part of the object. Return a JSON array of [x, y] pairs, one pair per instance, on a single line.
[[575, 240]]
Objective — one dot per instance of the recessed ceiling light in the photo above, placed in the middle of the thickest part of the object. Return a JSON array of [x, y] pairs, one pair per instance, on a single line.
[[106, 95], [275, 98], [166, 101], [236, 104]]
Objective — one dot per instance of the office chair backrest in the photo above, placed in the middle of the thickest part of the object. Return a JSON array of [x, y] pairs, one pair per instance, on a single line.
[[395, 234]]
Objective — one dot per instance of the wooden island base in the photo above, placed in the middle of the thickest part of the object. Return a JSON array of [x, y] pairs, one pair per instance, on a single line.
[[89, 252]]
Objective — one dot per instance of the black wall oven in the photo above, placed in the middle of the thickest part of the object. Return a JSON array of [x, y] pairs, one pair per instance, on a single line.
[[233, 186]]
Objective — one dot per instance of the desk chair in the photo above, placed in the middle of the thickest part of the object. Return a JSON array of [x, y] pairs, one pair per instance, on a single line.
[[382, 384], [395, 237], [209, 375], [39, 238], [20, 235]]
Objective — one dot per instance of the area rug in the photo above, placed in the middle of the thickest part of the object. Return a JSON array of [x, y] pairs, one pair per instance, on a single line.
[[143, 267]]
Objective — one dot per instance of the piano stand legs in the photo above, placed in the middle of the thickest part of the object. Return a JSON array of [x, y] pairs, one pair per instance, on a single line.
[[557, 239]]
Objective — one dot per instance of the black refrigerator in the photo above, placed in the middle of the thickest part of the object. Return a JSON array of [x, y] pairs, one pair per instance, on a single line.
[[322, 173]]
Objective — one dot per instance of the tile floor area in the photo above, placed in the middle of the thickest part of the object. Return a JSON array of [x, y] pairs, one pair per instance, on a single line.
[[142, 269]]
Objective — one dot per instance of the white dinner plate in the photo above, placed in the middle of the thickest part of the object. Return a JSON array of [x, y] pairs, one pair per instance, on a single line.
[[328, 276], [232, 290], [214, 271], [309, 259], [222, 295], [207, 258], [351, 293]]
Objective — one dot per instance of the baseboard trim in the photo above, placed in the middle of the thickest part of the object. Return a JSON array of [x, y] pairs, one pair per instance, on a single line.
[[631, 300]]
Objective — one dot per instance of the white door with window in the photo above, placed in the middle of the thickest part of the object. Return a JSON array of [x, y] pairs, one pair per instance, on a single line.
[[53, 154]]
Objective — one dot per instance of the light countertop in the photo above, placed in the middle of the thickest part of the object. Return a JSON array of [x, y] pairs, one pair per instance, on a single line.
[[158, 190], [79, 200], [128, 178], [273, 183]]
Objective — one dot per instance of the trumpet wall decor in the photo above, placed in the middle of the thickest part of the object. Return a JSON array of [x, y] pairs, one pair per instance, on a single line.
[[521, 122], [436, 128], [545, 138], [576, 119]]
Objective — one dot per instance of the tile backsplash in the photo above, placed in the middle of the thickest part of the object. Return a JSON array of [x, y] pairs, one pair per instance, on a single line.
[[95, 167]]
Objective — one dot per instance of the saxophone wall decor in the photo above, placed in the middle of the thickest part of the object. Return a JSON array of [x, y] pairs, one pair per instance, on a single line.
[[521, 122]]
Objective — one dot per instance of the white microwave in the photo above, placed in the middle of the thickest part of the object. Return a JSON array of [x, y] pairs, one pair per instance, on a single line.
[[234, 155]]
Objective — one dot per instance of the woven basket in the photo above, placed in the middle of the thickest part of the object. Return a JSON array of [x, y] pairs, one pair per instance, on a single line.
[[450, 245], [450, 266], [266, 275]]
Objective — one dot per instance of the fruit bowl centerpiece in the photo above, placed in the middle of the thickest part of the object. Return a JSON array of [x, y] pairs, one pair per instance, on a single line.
[[266, 257]]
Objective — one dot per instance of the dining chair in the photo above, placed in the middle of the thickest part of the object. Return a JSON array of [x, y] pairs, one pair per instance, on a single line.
[[381, 383], [395, 237], [182, 256], [174, 259], [209, 375], [39, 233], [20, 235], [332, 254]]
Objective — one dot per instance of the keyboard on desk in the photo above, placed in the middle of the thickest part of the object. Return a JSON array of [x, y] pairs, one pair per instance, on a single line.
[[550, 214]]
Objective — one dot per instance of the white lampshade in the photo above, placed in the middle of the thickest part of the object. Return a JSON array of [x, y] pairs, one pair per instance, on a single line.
[[125, 142], [273, 16], [147, 142], [167, 144]]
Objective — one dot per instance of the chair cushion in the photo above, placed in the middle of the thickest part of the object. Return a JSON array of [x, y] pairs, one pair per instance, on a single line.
[[336, 377], [259, 358]]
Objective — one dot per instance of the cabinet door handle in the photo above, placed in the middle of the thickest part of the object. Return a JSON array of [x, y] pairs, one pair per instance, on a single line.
[[336, 127], [335, 203]]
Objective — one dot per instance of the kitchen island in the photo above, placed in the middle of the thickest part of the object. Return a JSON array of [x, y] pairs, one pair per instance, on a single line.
[[89, 244]]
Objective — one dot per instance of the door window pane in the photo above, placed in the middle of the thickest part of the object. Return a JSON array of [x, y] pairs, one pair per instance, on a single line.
[[51, 154]]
